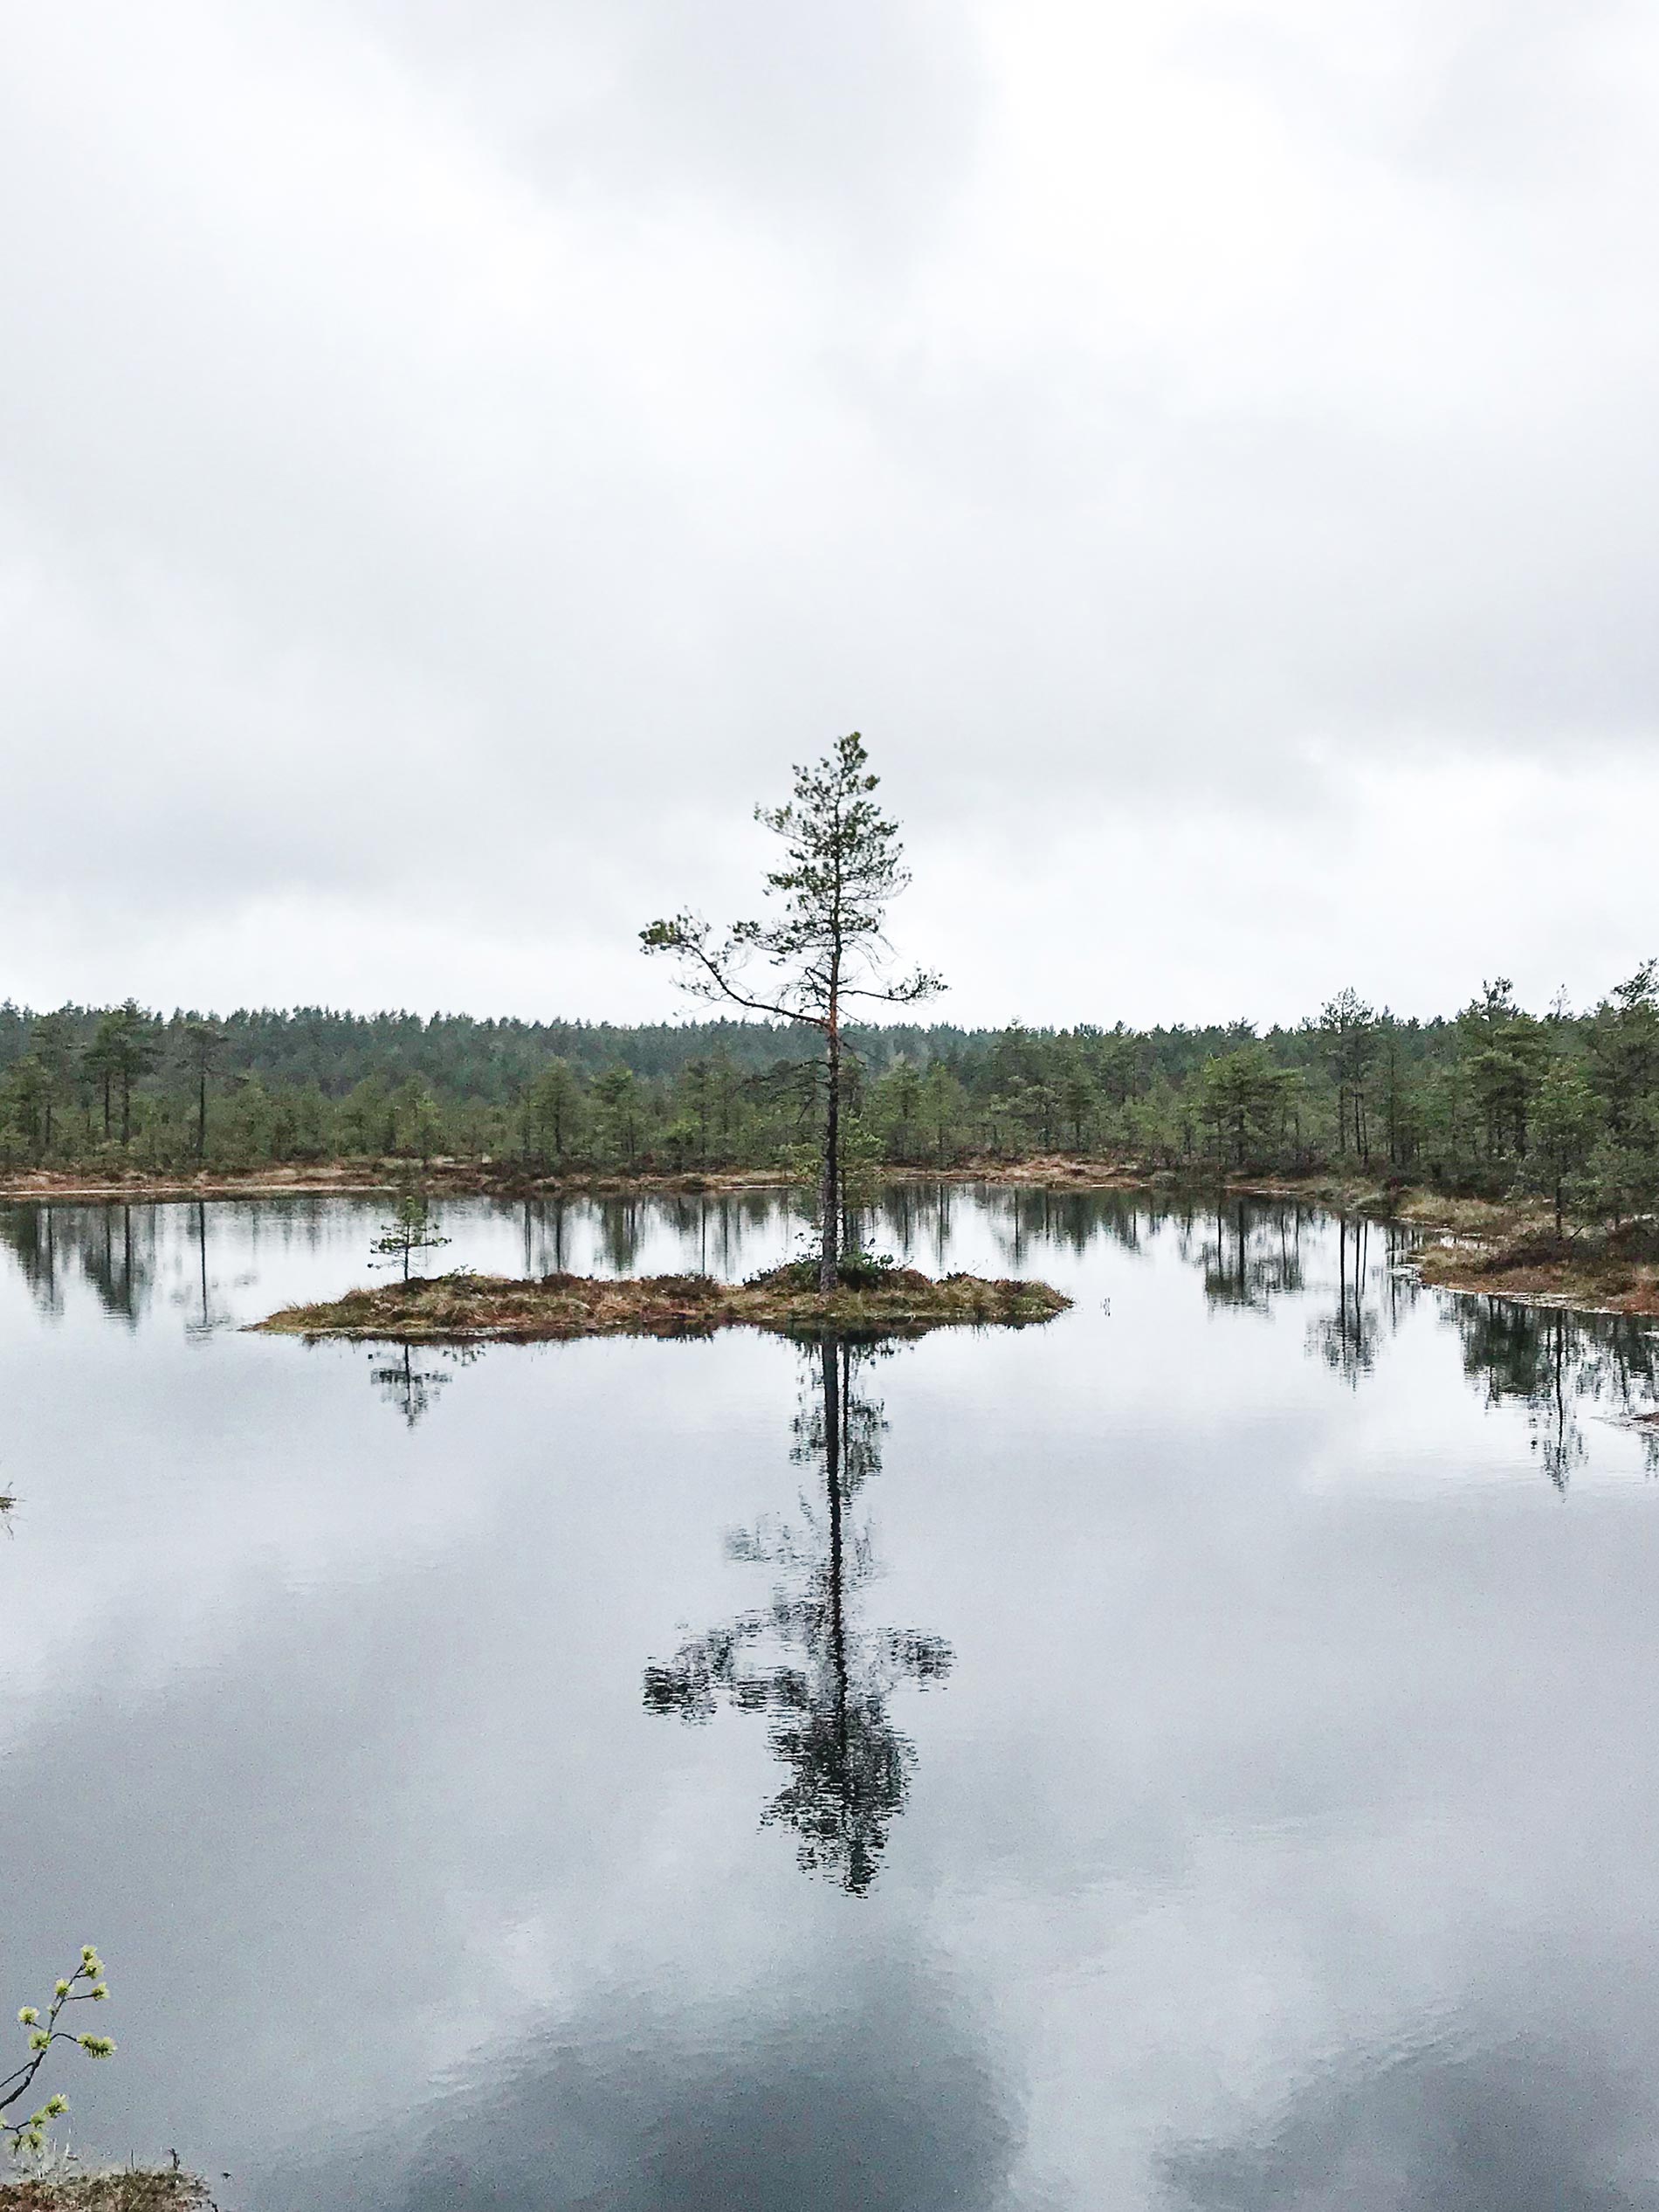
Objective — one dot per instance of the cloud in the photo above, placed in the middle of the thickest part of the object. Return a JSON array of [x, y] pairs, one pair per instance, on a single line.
[[460, 457]]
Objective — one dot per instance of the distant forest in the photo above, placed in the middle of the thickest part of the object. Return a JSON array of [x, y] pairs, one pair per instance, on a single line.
[[1489, 1099]]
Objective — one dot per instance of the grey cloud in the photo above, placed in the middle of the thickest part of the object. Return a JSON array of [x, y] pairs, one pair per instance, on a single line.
[[582, 411], [854, 125]]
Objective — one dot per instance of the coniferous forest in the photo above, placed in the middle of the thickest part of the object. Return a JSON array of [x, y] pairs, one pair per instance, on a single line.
[[1491, 1100]]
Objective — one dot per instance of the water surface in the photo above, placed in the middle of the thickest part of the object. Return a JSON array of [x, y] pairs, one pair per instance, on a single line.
[[1198, 1754]]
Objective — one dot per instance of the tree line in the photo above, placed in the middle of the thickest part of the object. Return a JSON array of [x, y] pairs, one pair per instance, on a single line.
[[1480, 1101]]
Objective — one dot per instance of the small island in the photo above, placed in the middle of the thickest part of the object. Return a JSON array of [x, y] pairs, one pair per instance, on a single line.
[[1588, 1272], [466, 1308]]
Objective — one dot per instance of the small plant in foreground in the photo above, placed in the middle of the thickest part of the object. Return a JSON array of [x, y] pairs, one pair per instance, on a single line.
[[85, 1986]]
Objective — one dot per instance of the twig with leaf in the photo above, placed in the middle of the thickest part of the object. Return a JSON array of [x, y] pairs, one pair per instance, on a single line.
[[85, 1986]]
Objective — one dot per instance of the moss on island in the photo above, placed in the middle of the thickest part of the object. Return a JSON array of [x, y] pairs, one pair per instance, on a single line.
[[868, 1301]]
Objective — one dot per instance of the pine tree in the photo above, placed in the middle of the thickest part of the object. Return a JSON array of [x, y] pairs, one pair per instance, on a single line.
[[413, 1229], [204, 1044], [842, 868]]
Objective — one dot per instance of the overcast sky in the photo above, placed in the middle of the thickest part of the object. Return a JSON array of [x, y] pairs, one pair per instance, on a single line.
[[456, 454]]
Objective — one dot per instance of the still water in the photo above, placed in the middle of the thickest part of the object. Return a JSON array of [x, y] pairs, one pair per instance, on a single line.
[[1200, 1755]]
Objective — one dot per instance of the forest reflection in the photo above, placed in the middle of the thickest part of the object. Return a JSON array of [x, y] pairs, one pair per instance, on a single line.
[[1557, 1365], [111, 1248], [806, 1659], [1348, 1281], [1349, 1339], [1249, 1254], [711, 1231], [137, 1257]]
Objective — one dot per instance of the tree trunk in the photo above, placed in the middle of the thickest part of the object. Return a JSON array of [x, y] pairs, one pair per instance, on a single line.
[[829, 1194], [201, 1116]]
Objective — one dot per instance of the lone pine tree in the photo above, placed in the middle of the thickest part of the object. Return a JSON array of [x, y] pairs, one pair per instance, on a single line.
[[412, 1229], [825, 946]]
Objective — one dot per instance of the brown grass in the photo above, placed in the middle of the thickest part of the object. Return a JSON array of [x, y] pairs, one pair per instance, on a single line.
[[462, 1308], [124, 2189]]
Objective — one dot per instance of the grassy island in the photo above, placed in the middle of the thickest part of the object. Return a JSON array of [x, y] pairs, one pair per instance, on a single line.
[[1598, 1273], [867, 1301]]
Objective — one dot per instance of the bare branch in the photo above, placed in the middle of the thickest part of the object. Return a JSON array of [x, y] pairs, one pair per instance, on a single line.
[[688, 936]]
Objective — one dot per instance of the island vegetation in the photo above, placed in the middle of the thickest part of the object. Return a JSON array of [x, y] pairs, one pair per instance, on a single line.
[[866, 1300]]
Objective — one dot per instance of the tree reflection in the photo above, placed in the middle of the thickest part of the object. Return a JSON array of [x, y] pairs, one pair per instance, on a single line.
[[806, 1659], [1026, 1221], [1253, 1255], [113, 1247], [1554, 1362], [546, 1225], [412, 1388], [1349, 1339], [620, 1229], [30, 1235], [210, 1312], [408, 1387], [119, 1265]]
